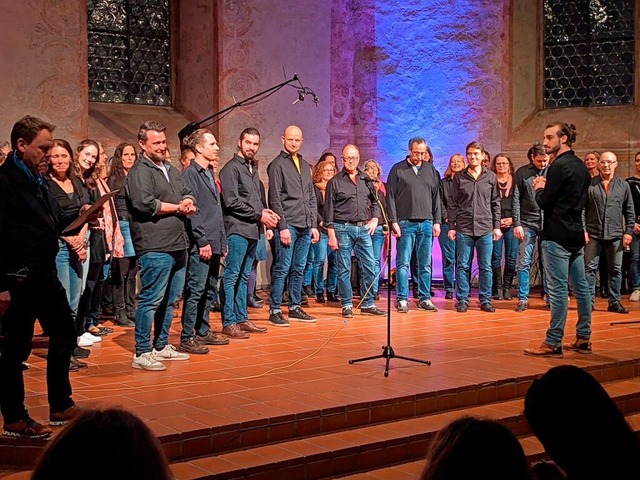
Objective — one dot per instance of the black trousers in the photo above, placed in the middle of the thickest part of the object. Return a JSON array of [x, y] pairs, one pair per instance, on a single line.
[[40, 295]]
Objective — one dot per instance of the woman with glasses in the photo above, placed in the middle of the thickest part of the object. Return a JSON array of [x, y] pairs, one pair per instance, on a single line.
[[323, 171]]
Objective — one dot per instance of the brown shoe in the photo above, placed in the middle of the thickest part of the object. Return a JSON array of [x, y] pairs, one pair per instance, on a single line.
[[580, 345], [249, 326], [544, 350], [234, 331], [191, 345], [27, 428], [64, 417], [211, 339]]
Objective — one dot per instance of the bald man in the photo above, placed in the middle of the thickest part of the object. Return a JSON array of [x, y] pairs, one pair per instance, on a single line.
[[292, 197], [351, 217]]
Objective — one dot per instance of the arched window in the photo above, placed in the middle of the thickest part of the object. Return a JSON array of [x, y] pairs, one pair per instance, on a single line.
[[588, 53], [129, 51]]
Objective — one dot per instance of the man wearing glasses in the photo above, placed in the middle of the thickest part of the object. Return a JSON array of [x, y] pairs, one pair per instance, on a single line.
[[414, 212], [609, 203], [351, 217]]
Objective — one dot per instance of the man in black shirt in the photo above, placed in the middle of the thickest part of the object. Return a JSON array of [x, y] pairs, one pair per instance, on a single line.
[[351, 217], [634, 185], [30, 223], [562, 195]]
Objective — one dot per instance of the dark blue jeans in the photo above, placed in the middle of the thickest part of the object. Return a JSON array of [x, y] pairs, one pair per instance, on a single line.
[[377, 239], [199, 293], [510, 245], [525, 256], [290, 261], [464, 251], [321, 253], [162, 277], [613, 251], [448, 249], [233, 295], [354, 239]]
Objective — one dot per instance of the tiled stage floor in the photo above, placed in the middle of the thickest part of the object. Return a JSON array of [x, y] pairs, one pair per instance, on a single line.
[[305, 367]]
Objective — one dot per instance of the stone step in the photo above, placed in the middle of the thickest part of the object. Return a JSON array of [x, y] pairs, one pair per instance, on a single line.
[[371, 446]]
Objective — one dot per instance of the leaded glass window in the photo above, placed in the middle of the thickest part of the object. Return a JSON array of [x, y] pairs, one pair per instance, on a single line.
[[588, 53], [129, 48]]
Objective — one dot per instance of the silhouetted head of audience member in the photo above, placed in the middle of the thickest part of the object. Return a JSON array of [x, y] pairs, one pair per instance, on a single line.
[[130, 450], [580, 426], [471, 448]]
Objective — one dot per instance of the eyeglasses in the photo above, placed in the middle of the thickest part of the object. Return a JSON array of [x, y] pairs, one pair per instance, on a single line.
[[350, 159], [328, 170], [607, 162], [419, 154]]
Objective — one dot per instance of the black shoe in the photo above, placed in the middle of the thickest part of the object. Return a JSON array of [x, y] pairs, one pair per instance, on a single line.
[[304, 300], [376, 297], [506, 294], [215, 307], [372, 310], [427, 305], [308, 290], [320, 298], [333, 297], [123, 321], [448, 295], [522, 305], [497, 295], [80, 352], [251, 302], [278, 320], [487, 307], [77, 364], [604, 293], [347, 312], [300, 315], [617, 308], [462, 307]]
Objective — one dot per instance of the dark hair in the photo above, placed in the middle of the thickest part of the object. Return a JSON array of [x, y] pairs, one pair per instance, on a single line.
[[475, 145], [139, 456], [59, 142], [249, 131], [325, 155], [117, 170], [470, 448], [493, 163], [536, 149], [149, 125], [419, 140], [28, 128], [637, 153], [580, 426], [3, 144], [568, 129], [90, 176]]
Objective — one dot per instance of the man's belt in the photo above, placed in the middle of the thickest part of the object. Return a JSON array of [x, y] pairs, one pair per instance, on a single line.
[[355, 224]]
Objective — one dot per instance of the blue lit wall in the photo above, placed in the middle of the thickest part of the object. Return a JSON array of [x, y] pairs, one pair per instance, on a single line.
[[438, 75]]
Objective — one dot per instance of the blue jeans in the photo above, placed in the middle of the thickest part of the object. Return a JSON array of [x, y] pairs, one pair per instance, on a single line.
[[199, 292], [290, 261], [126, 235], [635, 262], [69, 269], [525, 258], [354, 239], [613, 251], [510, 245], [162, 277], [418, 235], [308, 268], [320, 255], [233, 294], [448, 249], [464, 256], [562, 266], [377, 239]]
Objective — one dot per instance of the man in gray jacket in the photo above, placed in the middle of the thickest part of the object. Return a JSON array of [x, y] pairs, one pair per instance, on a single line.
[[609, 218]]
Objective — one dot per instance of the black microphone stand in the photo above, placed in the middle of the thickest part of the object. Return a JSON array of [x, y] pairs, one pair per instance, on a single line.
[[193, 126], [387, 350]]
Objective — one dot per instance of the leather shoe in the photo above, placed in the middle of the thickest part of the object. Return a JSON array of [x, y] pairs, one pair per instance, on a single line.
[[333, 297], [448, 295], [123, 321], [212, 339], [249, 326], [487, 307], [320, 298], [80, 352], [522, 305], [234, 331], [617, 308]]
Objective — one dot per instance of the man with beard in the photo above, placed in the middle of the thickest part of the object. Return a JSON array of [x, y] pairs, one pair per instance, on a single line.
[[562, 196], [245, 214], [527, 218], [158, 202]]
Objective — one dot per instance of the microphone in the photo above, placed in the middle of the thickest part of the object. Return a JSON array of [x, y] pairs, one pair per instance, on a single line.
[[301, 94], [367, 179]]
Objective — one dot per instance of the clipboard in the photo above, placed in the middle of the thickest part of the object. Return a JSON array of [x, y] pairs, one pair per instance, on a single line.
[[82, 219]]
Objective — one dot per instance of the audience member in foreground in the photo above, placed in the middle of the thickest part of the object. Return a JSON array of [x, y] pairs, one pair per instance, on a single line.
[[580, 426], [472, 448], [139, 453]]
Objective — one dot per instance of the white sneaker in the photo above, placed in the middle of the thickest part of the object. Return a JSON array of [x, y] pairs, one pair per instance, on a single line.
[[635, 296], [147, 361], [403, 306], [84, 341], [169, 352], [91, 338]]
